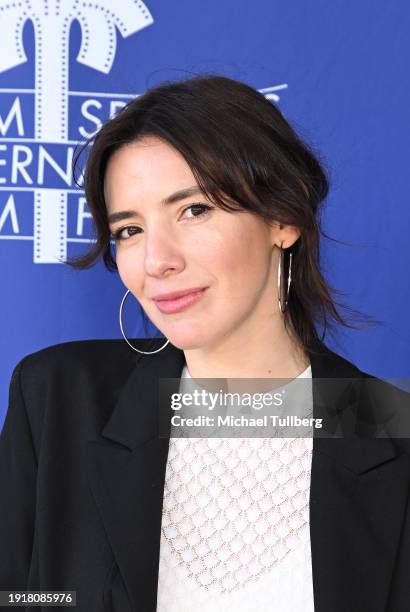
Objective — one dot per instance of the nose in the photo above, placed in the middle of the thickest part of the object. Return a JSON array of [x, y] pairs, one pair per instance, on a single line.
[[162, 253]]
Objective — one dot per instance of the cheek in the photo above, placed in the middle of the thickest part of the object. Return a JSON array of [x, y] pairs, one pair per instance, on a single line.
[[223, 245], [128, 271], [238, 256]]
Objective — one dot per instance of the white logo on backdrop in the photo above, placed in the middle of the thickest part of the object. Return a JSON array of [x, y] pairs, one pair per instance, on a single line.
[[34, 164]]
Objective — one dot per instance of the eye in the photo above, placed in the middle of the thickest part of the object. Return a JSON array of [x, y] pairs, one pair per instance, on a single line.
[[202, 209], [117, 235]]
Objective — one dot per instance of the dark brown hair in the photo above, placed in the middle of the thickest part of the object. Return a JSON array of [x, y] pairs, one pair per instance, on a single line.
[[245, 156]]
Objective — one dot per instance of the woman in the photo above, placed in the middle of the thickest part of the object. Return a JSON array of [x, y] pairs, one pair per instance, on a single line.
[[207, 191]]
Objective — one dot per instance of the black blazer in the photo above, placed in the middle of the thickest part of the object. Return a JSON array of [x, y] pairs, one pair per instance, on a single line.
[[82, 472]]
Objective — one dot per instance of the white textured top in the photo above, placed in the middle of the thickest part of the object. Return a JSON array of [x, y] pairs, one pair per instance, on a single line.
[[235, 524]]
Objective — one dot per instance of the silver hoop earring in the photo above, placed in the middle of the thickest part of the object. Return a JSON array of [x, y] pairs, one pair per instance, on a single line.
[[125, 337], [283, 300]]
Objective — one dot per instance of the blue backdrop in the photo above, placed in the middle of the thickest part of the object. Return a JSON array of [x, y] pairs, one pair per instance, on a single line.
[[337, 70]]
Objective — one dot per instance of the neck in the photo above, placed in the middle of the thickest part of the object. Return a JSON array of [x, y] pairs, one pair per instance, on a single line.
[[273, 352]]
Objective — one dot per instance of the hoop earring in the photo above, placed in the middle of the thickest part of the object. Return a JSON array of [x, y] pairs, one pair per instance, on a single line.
[[125, 337], [281, 279]]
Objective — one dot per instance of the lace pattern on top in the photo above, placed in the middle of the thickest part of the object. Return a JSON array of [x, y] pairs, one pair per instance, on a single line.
[[235, 523]]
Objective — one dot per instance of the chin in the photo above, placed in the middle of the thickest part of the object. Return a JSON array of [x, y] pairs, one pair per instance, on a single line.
[[188, 339]]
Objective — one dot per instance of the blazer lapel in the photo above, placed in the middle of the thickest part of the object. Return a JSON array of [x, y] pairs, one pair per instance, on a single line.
[[356, 501], [126, 469]]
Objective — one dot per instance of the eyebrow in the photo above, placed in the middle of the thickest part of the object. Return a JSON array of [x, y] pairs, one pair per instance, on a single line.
[[182, 194]]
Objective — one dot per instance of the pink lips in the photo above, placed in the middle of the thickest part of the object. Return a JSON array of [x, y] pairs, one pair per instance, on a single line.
[[179, 304]]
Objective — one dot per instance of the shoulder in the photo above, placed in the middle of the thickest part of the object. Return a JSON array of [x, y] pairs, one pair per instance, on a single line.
[[388, 398], [70, 367], [327, 363], [70, 375], [74, 352], [64, 362], [388, 402], [382, 407], [103, 355]]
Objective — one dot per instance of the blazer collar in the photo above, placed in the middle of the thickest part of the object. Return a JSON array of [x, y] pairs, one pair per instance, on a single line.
[[134, 419]]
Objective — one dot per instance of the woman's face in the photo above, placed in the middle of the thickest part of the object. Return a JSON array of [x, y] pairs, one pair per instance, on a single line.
[[181, 245]]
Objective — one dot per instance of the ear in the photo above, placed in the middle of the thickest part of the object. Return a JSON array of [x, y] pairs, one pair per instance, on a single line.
[[283, 236]]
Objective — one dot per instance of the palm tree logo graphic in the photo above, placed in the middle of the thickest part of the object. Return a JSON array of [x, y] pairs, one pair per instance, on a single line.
[[99, 21]]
